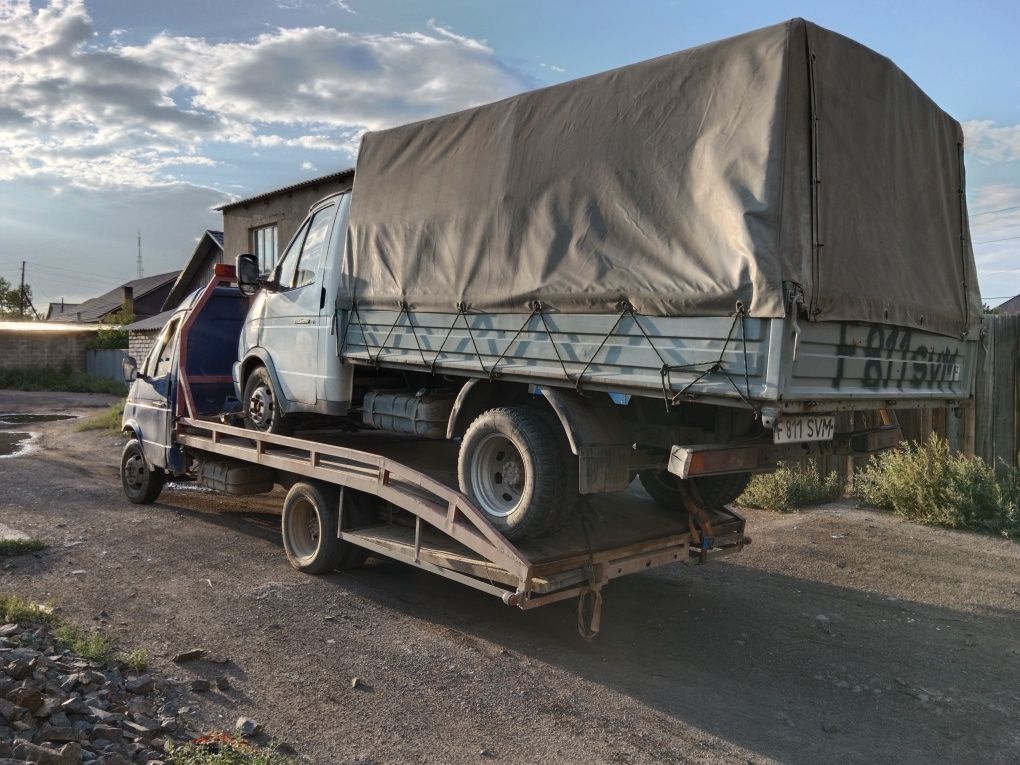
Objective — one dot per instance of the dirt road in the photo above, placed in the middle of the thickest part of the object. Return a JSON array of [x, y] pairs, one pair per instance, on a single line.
[[840, 635]]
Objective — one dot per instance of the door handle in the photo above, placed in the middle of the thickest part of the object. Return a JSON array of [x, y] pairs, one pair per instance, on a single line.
[[302, 321]]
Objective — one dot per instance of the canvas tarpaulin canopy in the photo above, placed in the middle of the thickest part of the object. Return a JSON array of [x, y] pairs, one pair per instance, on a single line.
[[789, 159]]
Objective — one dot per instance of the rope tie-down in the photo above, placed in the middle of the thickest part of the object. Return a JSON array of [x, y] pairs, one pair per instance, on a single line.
[[700, 369]]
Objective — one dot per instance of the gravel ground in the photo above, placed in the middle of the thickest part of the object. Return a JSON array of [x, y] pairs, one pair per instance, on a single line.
[[840, 635]]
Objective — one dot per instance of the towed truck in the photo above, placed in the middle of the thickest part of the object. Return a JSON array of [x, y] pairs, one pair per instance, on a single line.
[[545, 342], [680, 271]]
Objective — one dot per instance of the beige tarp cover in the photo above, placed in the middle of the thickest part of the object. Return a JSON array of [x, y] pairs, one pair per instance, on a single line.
[[681, 186]]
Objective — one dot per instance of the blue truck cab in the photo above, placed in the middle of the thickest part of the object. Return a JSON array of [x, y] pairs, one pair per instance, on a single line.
[[202, 336]]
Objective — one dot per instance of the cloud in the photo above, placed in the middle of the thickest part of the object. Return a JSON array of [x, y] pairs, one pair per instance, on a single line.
[[995, 222], [989, 143], [96, 113]]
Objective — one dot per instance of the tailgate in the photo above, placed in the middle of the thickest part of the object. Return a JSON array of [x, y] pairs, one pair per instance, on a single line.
[[887, 365]]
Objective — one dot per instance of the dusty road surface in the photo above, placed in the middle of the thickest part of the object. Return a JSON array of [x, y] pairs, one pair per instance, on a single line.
[[840, 635]]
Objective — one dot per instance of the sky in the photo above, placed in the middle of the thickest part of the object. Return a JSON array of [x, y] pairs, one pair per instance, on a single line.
[[125, 115]]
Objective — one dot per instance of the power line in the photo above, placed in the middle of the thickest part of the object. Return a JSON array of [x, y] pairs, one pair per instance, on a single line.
[[995, 212], [1004, 239]]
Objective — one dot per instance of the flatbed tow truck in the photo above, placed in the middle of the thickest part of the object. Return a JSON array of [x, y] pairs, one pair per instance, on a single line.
[[352, 494]]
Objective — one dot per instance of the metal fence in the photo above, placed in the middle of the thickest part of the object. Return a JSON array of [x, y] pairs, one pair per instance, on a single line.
[[108, 363]]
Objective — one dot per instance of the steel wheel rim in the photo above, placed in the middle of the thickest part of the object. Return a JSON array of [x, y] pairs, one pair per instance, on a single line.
[[304, 529], [260, 406], [134, 472], [498, 475]]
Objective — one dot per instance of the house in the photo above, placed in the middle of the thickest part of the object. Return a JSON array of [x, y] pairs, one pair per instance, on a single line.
[[143, 296], [59, 311], [196, 273], [263, 225], [1010, 308], [198, 270]]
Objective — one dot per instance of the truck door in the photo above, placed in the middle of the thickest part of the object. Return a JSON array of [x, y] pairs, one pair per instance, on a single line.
[[296, 312], [153, 395]]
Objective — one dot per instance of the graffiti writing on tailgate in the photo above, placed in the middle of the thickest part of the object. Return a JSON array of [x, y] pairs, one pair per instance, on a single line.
[[894, 359]]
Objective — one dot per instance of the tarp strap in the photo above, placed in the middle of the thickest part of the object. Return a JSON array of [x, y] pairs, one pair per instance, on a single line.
[[536, 308]]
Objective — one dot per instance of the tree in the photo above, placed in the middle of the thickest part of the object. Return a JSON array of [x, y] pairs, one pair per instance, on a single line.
[[11, 300], [110, 334]]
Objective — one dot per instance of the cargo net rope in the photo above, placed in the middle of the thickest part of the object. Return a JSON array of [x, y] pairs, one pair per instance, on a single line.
[[700, 370]]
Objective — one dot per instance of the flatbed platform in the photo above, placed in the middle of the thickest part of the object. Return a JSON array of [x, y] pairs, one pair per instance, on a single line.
[[431, 525]]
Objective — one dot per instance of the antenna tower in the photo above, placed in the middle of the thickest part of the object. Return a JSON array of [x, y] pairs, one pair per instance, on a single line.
[[140, 273]]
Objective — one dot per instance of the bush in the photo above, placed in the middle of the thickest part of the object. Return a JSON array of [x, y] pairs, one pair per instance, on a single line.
[[57, 378], [790, 487], [926, 483]]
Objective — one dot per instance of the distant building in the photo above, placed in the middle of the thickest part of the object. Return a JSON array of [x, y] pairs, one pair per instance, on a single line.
[[57, 311], [263, 225], [197, 272], [1011, 307], [143, 296]]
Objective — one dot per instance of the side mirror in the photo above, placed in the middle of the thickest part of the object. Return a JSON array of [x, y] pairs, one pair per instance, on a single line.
[[130, 369], [248, 280]]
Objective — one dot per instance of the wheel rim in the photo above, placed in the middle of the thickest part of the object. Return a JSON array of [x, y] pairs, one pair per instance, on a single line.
[[498, 475], [260, 406], [134, 472], [304, 530]]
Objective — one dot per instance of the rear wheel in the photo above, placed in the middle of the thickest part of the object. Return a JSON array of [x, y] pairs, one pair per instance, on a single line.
[[141, 485], [515, 464], [715, 490], [261, 405], [310, 525]]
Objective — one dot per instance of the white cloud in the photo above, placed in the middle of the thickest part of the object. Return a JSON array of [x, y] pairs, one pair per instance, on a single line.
[[995, 223], [986, 141], [96, 114]]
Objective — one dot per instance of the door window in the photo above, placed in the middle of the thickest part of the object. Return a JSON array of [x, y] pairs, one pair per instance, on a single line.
[[288, 264], [313, 248], [160, 359]]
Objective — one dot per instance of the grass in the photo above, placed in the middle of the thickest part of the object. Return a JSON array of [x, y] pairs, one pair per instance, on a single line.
[[225, 749], [93, 646], [790, 487], [927, 483], [57, 379], [108, 420], [11, 547]]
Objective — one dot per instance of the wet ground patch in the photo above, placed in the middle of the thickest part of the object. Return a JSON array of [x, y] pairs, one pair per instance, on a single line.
[[14, 443], [24, 419]]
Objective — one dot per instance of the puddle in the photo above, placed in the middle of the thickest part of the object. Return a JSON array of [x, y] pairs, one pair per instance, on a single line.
[[15, 444], [21, 419]]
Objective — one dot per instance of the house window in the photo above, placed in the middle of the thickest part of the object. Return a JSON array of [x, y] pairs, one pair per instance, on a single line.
[[263, 247]]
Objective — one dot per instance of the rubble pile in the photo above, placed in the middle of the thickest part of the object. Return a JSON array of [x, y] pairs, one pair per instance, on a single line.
[[59, 709]]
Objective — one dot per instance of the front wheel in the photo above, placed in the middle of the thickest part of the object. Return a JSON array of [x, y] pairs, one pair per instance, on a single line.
[[715, 490], [517, 467], [141, 485], [262, 409]]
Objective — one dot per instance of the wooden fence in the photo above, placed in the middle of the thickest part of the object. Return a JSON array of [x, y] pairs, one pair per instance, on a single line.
[[987, 426]]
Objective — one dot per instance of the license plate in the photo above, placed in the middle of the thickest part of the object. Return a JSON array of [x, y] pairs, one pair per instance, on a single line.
[[806, 427]]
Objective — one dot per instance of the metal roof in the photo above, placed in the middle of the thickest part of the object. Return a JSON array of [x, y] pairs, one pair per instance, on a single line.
[[194, 264], [294, 187], [95, 310]]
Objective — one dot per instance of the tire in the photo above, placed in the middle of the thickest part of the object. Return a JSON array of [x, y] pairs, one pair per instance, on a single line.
[[514, 463], [261, 410], [141, 485], [309, 528], [715, 490]]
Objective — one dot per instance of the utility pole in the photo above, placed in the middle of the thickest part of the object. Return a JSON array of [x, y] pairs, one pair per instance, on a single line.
[[21, 306], [140, 274]]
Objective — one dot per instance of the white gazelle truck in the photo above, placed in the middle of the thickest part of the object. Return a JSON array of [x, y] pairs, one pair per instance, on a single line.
[[546, 341]]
